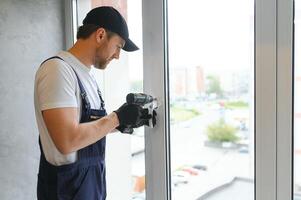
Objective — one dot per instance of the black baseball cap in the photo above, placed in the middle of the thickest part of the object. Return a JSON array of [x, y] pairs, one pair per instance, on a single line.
[[109, 18]]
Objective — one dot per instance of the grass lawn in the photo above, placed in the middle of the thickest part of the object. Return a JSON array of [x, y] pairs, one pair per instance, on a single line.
[[236, 105], [179, 114]]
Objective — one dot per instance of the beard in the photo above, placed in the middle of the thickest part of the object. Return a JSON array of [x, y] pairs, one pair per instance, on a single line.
[[100, 62]]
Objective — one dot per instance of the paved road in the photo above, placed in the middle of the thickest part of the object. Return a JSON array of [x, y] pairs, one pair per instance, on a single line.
[[187, 148]]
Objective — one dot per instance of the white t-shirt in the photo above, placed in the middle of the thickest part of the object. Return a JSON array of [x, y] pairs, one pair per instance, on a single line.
[[56, 86]]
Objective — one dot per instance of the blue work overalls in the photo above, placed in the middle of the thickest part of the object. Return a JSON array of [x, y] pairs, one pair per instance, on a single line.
[[84, 179]]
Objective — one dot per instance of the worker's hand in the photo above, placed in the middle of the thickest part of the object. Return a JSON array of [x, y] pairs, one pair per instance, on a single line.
[[132, 115]]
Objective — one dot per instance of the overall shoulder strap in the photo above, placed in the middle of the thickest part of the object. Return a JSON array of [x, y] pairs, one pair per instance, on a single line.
[[83, 93], [51, 58]]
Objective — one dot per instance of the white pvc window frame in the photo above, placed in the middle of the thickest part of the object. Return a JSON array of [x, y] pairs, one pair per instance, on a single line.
[[70, 22], [155, 82], [273, 99], [273, 96], [285, 89], [265, 99]]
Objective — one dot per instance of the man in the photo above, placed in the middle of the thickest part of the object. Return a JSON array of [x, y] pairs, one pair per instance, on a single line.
[[70, 111]]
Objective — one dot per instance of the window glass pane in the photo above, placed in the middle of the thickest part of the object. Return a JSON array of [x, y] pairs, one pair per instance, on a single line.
[[297, 105], [124, 153], [211, 53], [136, 86]]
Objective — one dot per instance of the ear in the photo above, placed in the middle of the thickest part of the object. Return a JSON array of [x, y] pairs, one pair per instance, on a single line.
[[100, 34]]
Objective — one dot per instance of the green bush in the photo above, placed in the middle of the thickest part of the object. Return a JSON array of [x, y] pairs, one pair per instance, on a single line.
[[222, 132]]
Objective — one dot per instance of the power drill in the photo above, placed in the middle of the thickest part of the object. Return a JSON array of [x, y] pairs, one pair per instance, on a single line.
[[146, 101]]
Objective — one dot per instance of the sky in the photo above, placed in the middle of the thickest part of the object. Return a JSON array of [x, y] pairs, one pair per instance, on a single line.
[[214, 34]]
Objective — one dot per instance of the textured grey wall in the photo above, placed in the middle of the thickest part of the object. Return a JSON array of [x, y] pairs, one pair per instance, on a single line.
[[30, 30]]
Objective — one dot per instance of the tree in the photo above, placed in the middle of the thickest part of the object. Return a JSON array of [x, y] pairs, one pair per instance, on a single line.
[[214, 86]]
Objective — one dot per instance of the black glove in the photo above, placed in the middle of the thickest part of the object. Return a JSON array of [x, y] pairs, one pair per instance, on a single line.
[[132, 115], [154, 118], [143, 122], [124, 129]]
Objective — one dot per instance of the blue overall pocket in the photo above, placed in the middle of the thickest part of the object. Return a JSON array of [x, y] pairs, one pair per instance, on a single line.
[[68, 183], [82, 184]]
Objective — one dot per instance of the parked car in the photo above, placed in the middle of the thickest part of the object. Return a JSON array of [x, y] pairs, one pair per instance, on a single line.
[[200, 167], [180, 177], [192, 171], [139, 196]]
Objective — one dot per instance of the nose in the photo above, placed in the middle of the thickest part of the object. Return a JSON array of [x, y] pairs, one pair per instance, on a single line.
[[116, 54]]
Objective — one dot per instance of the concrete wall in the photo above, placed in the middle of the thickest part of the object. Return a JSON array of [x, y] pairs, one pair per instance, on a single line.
[[30, 31]]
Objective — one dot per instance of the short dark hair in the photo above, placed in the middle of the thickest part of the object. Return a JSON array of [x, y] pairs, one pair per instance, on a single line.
[[86, 30]]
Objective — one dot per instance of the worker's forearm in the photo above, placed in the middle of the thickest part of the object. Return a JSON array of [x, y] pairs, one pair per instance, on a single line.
[[89, 133]]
